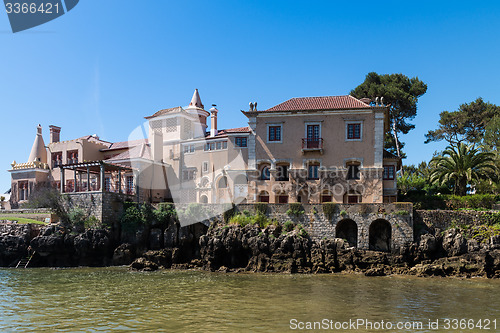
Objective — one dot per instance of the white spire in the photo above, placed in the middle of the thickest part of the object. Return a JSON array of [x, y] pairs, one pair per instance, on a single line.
[[196, 100], [38, 152]]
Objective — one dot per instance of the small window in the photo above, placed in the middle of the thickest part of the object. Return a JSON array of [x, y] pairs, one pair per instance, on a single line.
[[312, 171], [224, 144], [274, 133], [354, 131], [207, 147], [219, 145], [107, 184], [205, 166], [56, 159], [282, 173], [186, 149], [266, 173], [389, 172], [212, 146], [240, 142], [188, 174], [353, 171], [130, 184], [72, 157]]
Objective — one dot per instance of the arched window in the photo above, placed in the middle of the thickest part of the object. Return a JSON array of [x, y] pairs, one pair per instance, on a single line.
[[265, 173], [203, 199], [380, 233], [348, 230], [326, 196], [263, 196], [282, 172], [222, 182]]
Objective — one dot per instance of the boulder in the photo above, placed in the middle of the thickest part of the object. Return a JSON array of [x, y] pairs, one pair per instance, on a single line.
[[123, 255], [454, 243], [142, 264]]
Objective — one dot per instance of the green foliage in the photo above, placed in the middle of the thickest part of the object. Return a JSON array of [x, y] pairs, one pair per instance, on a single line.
[[288, 226], [228, 213], [329, 210], [77, 217], [259, 219], [343, 213], [402, 213], [193, 213], [468, 124], [165, 214], [246, 212], [491, 219], [132, 219], [2, 199], [451, 202], [301, 231], [462, 165], [261, 207], [45, 196], [401, 94], [295, 209], [92, 222]]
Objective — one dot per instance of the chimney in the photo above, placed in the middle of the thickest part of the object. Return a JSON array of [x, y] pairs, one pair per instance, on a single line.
[[213, 120], [55, 133], [156, 141]]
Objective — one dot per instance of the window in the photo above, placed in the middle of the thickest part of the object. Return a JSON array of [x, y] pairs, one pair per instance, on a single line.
[[240, 141], [353, 171], [215, 146], [265, 173], [107, 184], [188, 174], [56, 159], [354, 131], [282, 173], [205, 166], [129, 184], [283, 199], [23, 191], [72, 157], [274, 133], [389, 172], [312, 171], [188, 149]]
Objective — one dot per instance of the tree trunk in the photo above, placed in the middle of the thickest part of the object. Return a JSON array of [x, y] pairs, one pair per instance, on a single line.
[[396, 141]]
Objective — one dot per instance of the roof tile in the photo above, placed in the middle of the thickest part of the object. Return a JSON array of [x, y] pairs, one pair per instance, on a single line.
[[320, 103]]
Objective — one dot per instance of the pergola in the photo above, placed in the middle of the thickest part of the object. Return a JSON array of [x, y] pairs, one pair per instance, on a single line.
[[98, 168]]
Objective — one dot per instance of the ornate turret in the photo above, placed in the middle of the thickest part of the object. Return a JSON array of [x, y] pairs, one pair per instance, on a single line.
[[196, 108], [38, 152]]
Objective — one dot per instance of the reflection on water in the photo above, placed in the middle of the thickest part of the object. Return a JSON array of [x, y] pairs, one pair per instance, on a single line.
[[107, 299]]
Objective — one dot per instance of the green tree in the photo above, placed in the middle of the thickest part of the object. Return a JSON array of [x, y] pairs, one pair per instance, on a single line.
[[463, 165], [401, 95], [468, 123], [492, 134]]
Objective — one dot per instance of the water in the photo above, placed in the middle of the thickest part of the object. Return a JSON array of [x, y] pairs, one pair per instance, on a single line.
[[115, 299]]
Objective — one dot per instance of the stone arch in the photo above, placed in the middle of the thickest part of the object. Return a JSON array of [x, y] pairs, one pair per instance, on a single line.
[[263, 196], [222, 182], [347, 229], [205, 182], [380, 235], [203, 198]]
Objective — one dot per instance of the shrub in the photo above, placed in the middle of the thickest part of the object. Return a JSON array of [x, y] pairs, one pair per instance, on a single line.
[[261, 207], [165, 214], [329, 210], [295, 209], [491, 218], [402, 212], [228, 213], [301, 231], [246, 212], [343, 213], [288, 226], [77, 217], [92, 223], [131, 219], [193, 213]]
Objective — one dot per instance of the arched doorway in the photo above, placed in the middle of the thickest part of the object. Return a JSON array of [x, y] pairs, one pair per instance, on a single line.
[[203, 199], [380, 235], [263, 196], [222, 182], [326, 196], [348, 230]]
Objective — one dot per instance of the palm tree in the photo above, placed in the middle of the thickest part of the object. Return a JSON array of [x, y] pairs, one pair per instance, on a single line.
[[462, 165]]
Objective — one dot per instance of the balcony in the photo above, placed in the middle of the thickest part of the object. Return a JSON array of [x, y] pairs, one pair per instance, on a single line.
[[315, 144]]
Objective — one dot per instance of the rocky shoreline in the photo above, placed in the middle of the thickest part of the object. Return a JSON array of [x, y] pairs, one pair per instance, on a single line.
[[234, 248]]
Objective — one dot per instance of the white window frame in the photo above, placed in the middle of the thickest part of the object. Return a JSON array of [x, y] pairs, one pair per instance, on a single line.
[[307, 123], [281, 132], [352, 122], [205, 167]]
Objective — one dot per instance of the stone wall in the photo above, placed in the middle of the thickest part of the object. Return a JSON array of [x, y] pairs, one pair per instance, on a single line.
[[107, 207], [444, 219], [319, 226]]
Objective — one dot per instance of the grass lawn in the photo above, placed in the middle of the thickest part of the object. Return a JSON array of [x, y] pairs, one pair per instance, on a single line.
[[20, 220]]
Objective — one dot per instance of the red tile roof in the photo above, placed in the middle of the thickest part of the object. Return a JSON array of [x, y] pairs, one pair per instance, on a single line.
[[165, 111], [126, 144], [320, 103], [224, 132], [139, 151]]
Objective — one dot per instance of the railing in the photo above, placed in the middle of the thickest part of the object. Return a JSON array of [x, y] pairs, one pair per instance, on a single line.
[[96, 187], [312, 144]]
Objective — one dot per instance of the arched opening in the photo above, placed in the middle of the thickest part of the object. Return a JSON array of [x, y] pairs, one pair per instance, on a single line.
[[281, 197], [380, 236], [326, 196], [222, 182], [353, 170], [241, 180], [203, 199], [282, 172], [348, 230], [303, 196], [265, 172], [263, 196]]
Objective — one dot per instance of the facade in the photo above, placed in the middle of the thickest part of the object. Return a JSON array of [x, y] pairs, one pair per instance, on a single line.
[[310, 150]]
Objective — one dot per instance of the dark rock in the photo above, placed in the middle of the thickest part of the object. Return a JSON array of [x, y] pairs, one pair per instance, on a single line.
[[377, 271], [454, 243], [155, 239], [123, 255], [142, 264]]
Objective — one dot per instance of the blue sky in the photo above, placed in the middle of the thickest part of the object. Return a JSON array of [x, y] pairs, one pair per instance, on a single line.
[[105, 65]]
